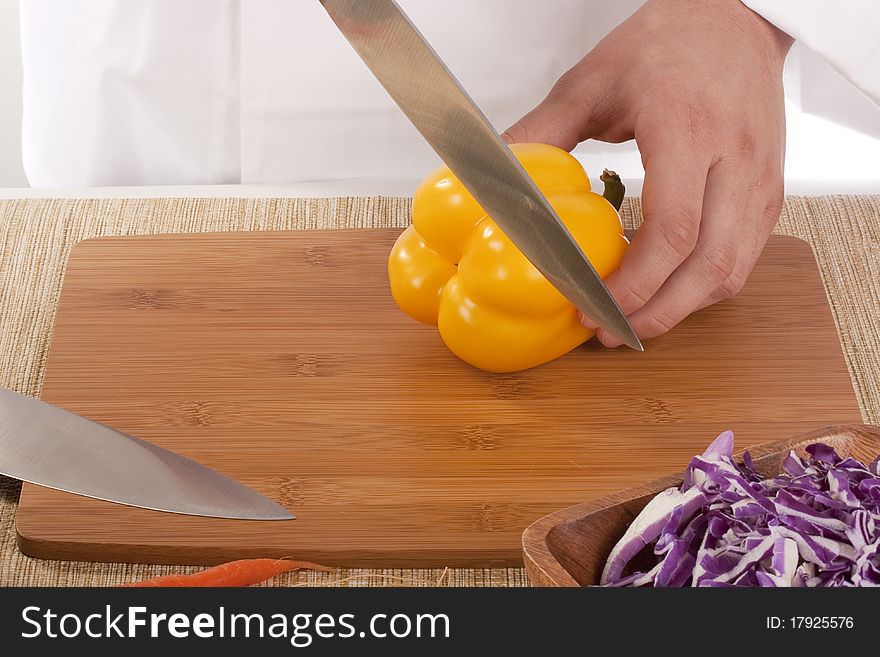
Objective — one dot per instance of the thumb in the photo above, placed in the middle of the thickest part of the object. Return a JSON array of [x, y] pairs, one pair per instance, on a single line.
[[562, 119]]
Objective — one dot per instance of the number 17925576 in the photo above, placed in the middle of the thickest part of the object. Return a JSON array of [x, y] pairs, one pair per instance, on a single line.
[[810, 623]]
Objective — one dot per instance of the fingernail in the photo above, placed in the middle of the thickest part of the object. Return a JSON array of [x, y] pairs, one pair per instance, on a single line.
[[586, 322], [609, 340]]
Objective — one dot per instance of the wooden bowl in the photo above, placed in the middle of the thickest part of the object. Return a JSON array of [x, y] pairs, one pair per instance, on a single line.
[[570, 547]]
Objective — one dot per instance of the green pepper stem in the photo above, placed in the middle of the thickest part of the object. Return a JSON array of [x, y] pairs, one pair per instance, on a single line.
[[614, 188]]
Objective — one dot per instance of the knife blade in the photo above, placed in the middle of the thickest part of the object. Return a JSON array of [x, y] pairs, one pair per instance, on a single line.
[[48, 446], [449, 120]]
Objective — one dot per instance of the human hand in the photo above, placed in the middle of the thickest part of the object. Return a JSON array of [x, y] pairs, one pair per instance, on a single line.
[[699, 87]]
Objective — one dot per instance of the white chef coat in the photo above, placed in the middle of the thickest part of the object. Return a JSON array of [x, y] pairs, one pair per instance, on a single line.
[[151, 92]]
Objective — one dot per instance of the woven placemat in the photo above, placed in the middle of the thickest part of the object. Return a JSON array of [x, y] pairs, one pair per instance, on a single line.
[[36, 236]]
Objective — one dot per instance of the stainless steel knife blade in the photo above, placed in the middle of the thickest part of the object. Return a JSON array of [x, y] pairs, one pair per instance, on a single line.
[[48, 446], [438, 106]]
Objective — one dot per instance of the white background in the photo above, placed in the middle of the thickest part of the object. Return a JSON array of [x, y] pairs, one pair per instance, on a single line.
[[822, 157], [11, 173]]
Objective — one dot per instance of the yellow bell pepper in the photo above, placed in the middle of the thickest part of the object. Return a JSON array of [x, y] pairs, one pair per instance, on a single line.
[[455, 268]]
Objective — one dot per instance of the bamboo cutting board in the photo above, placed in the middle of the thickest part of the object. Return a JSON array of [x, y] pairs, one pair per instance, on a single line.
[[280, 359]]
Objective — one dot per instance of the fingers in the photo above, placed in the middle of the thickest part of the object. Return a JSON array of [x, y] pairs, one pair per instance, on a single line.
[[748, 258], [672, 201], [567, 116], [548, 123], [712, 262], [737, 221]]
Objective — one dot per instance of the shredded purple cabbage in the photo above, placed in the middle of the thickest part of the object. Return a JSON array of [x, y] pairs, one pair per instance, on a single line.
[[816, 524]]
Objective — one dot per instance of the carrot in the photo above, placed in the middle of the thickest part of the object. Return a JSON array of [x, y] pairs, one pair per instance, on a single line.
[[245, 572]]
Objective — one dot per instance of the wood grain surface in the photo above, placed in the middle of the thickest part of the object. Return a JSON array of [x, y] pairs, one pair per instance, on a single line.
[[570, 547], [281, 360]]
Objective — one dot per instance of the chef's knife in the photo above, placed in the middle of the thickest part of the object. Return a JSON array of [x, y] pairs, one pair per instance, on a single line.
[[46, 445], [437, 105]]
